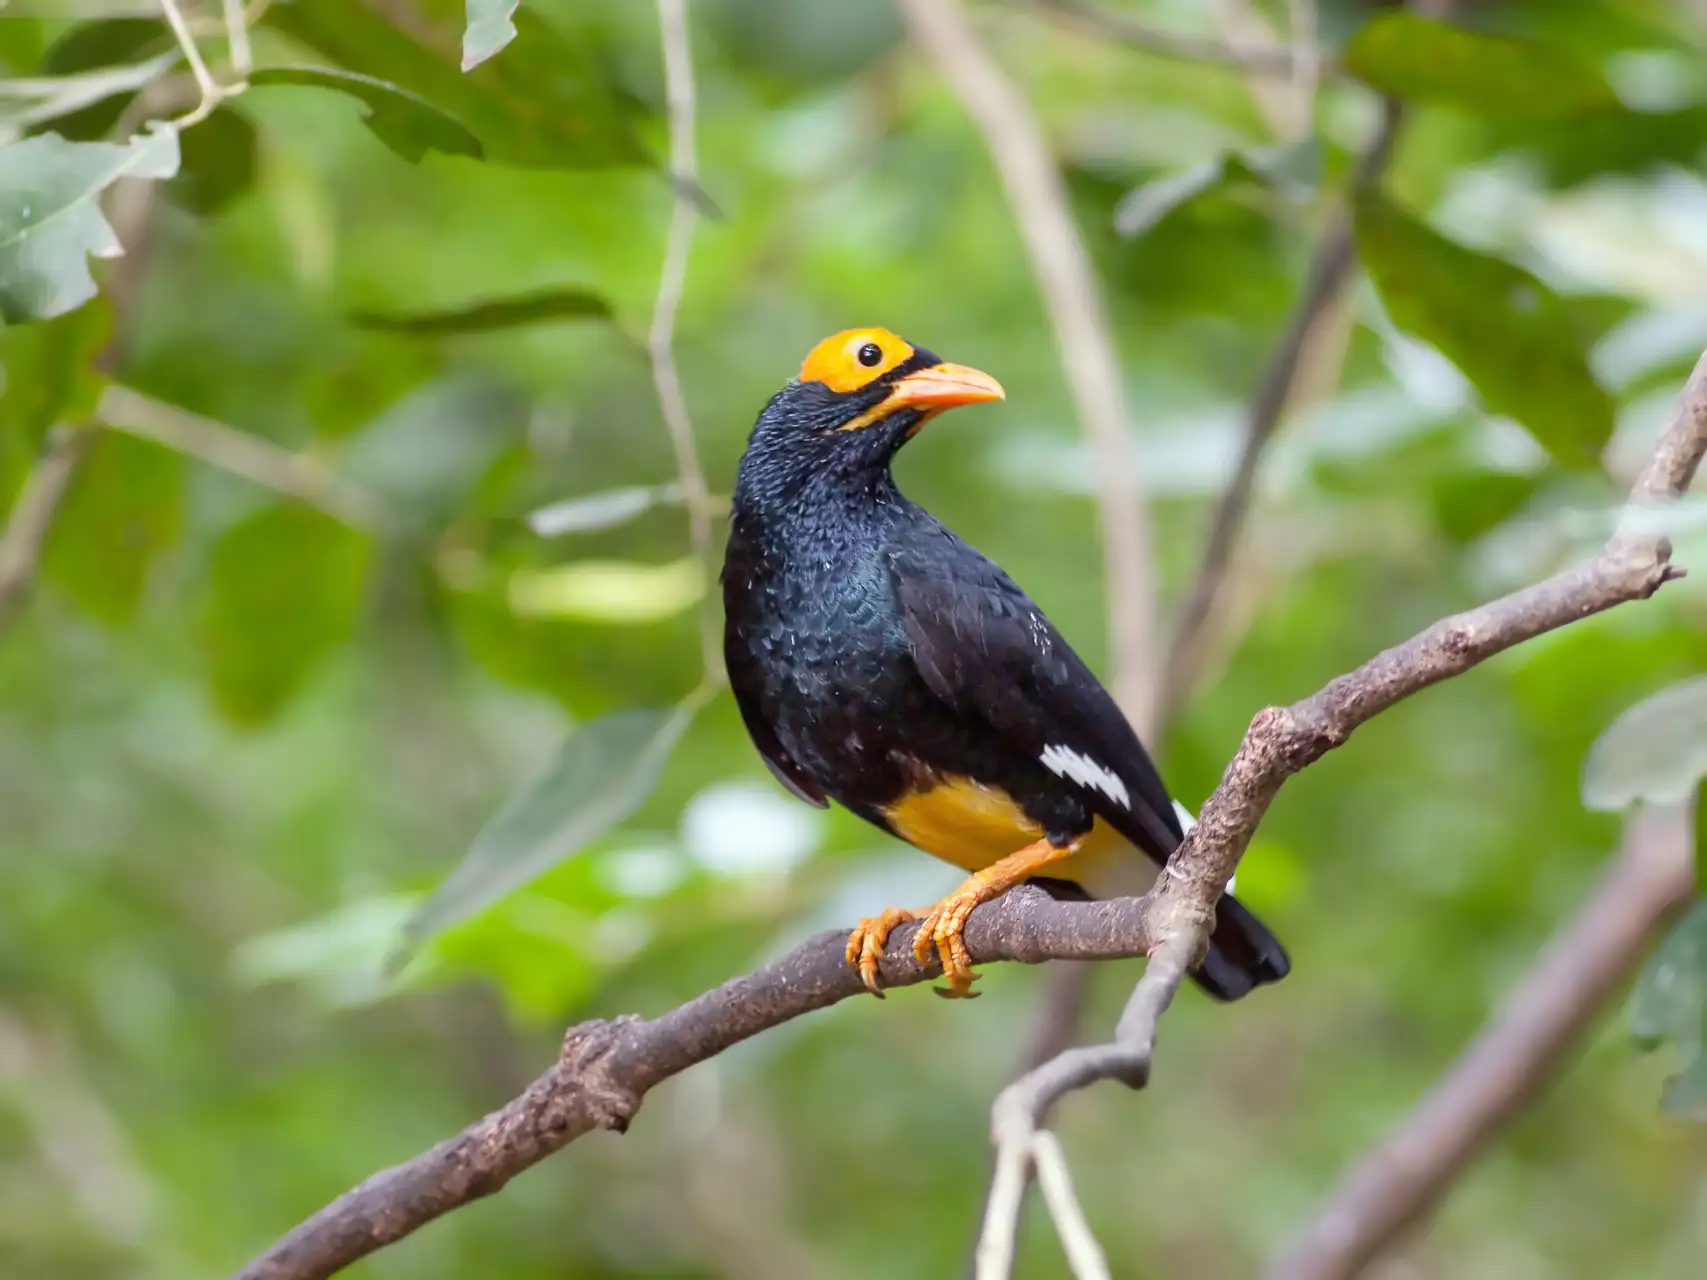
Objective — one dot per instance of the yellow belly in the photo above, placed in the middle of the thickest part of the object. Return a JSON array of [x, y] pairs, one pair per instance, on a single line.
[[971, 825]]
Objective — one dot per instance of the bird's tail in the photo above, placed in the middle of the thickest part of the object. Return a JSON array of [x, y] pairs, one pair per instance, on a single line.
[[1243, 954]]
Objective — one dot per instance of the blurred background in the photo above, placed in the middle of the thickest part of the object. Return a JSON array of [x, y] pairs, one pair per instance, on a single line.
[[244, 735]]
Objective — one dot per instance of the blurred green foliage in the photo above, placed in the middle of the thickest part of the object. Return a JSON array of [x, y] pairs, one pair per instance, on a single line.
[[247, 729]]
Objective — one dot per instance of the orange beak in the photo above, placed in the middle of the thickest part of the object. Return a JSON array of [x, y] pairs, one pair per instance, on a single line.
[[943, 386]]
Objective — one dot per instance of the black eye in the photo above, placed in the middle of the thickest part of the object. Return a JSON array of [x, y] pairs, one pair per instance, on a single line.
[[871, 355]]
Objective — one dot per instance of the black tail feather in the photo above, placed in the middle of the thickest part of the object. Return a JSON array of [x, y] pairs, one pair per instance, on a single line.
[[1243, 954]]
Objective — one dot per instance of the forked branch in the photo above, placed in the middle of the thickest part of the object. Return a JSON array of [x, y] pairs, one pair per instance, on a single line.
[[607, 1067]]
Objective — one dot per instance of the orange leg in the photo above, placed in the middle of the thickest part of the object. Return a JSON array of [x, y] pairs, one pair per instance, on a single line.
[[865, 943], [944, 922]]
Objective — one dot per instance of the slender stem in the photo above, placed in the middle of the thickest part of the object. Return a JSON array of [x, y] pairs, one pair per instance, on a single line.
[[1306, 60], [1513, 1056], [211, 93], [241, 454], [1274, 60], [684, 217], [1329, 272], [606, 1068], [1084, 1255], [1062, 266], [32, 516], [237, 38]]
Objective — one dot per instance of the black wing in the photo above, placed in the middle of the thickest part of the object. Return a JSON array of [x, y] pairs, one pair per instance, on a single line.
[[778, 761], [987, 650]]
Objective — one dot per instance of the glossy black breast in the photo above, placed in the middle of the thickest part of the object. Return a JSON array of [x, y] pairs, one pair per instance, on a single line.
[[818, 653]]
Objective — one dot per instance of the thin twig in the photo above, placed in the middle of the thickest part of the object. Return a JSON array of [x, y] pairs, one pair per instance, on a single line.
[[1518, 1050], [1282, 741], [257, 460], [32, 516], [1020, 1109], [237, 39], [1035, 192], [607, 1068], [1275, 60], [1306, 60], [1084, 1255], [684, 217], [1016, 144], [211, 93], [1330, 270], [45, 489]]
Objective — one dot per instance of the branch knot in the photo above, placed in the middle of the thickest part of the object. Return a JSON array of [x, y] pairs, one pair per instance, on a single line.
[[584, 1077]]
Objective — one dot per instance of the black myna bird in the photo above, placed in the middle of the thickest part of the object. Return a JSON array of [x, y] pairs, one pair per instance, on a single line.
[[881, 662]]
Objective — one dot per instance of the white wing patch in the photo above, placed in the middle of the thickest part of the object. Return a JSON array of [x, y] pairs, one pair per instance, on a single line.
[[1186, 823], [1066, 763]]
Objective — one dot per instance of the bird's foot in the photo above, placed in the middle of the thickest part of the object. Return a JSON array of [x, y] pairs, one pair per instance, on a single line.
[[942, 928], [944, 924], [865, 944]]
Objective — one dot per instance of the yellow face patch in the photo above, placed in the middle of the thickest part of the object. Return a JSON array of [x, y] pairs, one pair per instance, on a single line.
[[853, 358]]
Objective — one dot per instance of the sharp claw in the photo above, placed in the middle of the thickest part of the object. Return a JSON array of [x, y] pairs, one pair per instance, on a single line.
[[923, 940], [865, 946]]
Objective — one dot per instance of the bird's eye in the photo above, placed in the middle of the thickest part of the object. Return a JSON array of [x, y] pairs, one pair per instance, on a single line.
[[871, 355]]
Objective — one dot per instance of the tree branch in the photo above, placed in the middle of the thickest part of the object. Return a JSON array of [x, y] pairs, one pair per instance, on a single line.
[[1277, 60], [672, 283], [1190, 649], [1512, 1058], [259, 461], [1063, 269], [33, 514], [1065, 278], [1330, 270], [1281, 741], [607, 1067], [44, 491]]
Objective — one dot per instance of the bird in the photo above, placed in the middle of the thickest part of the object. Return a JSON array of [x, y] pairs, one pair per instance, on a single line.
[[880, 661]]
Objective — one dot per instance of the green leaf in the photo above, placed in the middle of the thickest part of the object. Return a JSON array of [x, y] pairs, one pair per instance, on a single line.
[[1231, 173], [494, 313], [95, 46], [340, 957], [596, 511], [1146, 205], [101, 64], [601, 775], [549, 104], [124, 507], [1417, 59], [1670, 994], [1656, 751], [219, 162], [427, 452], [1685, 1093], [1634, 142], [48, 375], [84, 106], [614, 592], [489, 29], [1670, 1004], [1700, 812], [285, 588], [1507, 332], [407, 123], [50, 216]]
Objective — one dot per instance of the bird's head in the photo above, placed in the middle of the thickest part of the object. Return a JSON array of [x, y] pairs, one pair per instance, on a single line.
[[861, 394]]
